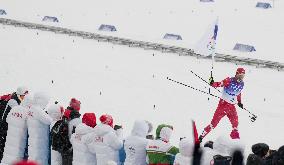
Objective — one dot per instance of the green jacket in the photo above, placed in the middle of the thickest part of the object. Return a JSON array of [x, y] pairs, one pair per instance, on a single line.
[[160, 152]]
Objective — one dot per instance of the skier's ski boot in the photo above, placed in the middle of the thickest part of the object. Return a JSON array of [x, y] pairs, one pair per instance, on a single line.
[[235, 134]]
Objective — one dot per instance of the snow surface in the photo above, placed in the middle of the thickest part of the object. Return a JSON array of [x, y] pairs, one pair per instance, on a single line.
[[131, 81], [239, 21]]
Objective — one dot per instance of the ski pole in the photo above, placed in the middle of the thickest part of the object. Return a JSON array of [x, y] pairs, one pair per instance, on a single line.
[[193, 88], [203, 80], [253, 116]]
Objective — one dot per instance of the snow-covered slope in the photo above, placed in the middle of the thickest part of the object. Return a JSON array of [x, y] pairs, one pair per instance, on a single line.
[[148, 20], [128, 83]]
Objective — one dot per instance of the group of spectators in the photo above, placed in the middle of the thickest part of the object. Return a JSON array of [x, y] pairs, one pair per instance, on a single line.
[[35, 133]]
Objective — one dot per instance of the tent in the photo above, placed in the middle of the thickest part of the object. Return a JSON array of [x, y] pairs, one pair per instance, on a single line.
[[50, 19], [263, 5], [244, 48], [172, 36], [109, 28], [2, 12]]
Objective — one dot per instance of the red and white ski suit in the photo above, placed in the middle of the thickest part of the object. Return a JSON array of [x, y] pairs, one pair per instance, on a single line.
[[226, 107]]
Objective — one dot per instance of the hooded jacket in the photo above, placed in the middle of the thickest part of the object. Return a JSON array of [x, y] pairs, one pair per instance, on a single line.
[[224, 146], [81, 153], [104, 143], [17, 132], [38, 128], [135, 145], [55, 112], [160, 151], [186, 150]]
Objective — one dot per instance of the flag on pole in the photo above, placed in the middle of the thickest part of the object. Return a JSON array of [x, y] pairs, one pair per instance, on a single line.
[[195, 133], [207, 44]]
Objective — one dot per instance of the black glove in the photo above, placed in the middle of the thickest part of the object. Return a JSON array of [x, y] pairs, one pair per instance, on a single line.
[[116, 127], [253, 118], [211, 80], [241, 105], [151, 137]]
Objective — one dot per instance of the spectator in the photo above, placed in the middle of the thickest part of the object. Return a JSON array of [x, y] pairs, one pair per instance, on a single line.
[[17, 132], [135, 145], [73, 115], [224, 147], [186, 148], [104, 141], [81, 153], [237, 158], [278, 158], [73, 118], [55, 112], [160, 151], [38, 122], [259, 151], [7, 103]]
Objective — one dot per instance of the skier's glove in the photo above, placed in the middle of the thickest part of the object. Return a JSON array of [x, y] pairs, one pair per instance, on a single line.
[[241, 105], [211, 80], [253, 118], [116, 127]]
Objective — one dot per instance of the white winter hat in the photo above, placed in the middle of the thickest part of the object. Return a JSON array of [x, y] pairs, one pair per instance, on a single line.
[[224, 145], [140, 128], [55, 111], [186, 147], [28, 101], [110, 162], [41, 99], [22, 90], [166, 133]]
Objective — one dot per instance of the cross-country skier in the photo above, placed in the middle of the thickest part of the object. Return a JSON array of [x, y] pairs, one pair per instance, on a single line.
[[226, 107]]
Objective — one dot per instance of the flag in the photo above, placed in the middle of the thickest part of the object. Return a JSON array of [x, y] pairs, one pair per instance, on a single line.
[[195, 133], [207, 44]]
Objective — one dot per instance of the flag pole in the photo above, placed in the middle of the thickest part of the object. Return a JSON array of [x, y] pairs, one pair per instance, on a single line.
[[213, 48], [206, 45]]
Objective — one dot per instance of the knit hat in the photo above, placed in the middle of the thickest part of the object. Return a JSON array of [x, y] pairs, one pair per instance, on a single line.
[[164, 132], [22, 90], [41, 99], [260, 149], [89, 119], [28, 101], [55, 111], [240, 71], [107, 119], [75, 104]]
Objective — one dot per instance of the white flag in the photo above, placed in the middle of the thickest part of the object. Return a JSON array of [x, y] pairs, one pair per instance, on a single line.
[[207, 45]]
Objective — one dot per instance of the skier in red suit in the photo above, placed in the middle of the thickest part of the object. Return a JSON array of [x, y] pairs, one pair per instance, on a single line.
[[231, 95]]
